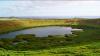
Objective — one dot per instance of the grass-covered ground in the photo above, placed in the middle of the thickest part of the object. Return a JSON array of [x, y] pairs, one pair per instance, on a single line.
[[9, 25], [86, 43]]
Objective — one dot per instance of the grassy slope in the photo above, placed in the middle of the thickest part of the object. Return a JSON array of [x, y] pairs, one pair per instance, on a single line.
[[9, 25], [13, 25], [85, 44]]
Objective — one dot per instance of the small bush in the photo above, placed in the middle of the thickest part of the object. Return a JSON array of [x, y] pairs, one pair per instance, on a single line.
[[24, 37]]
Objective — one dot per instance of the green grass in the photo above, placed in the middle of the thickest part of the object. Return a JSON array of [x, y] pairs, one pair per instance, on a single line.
[[86, 43], [91, 49]]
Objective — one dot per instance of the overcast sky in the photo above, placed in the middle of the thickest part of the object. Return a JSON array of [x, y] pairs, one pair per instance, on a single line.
[[49, 8]]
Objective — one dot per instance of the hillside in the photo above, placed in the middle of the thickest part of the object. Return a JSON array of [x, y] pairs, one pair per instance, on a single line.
[[18, 24], [86, 43]]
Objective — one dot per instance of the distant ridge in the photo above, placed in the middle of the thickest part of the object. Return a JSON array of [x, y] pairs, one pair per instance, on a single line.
[[52, 17]]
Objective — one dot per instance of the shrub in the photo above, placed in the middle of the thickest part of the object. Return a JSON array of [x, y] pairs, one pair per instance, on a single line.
[[1, 43], [24, 37], [50, 36]]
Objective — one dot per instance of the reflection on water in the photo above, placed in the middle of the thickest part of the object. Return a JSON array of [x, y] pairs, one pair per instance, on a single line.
[[41, 31]]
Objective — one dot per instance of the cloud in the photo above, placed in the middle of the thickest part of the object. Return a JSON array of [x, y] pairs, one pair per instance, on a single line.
[[50, 8]]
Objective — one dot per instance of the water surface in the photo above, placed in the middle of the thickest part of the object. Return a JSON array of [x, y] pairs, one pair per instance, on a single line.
[[40, 31]]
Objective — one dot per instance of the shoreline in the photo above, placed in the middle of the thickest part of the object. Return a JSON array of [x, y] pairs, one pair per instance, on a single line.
[[73, 26], [23, 28]]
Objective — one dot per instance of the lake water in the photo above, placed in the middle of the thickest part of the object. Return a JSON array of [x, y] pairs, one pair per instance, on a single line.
[[41, 31]]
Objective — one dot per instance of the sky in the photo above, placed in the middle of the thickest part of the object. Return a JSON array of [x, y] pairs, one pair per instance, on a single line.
[[49, 8]]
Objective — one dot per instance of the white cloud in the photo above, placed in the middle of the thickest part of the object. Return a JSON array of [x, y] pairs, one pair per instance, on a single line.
[[51, 8]]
